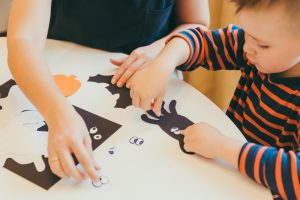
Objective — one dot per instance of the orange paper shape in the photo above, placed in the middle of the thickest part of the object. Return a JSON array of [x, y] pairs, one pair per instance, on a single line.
[[68, 85]]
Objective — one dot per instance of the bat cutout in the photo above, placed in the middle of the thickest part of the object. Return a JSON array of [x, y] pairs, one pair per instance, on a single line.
[[5, 87], [100, 129], [170, 122], [124, 100]]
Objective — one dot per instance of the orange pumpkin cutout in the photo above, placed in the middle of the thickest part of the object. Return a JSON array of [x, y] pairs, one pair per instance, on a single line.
[[68, 85]]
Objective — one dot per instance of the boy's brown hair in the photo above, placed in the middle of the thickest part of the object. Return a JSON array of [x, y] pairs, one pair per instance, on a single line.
[[291, 7]]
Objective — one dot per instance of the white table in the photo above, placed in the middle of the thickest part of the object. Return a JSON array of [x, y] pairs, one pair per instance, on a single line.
[[157, 169]]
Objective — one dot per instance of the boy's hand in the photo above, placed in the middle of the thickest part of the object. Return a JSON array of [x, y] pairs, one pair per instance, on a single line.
[[203, 139], [68, 135], [209, 142], [148, 86]]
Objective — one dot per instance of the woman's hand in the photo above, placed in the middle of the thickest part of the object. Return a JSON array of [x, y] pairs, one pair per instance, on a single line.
[[68, 135], [130, 64]]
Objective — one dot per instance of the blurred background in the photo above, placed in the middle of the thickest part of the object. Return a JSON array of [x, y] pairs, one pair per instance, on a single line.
[[218, 86]]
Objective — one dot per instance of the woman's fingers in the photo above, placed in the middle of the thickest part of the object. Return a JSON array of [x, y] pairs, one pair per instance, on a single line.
[[88, 145], [123, 67], [117, 62], [129, 71], [69, 166], [55, 165], [85, 160]]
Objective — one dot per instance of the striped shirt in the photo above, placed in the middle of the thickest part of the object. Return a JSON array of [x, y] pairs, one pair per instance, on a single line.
[[265, 108]]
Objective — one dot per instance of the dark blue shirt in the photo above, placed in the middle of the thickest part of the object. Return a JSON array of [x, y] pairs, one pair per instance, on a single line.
[[113, 25]]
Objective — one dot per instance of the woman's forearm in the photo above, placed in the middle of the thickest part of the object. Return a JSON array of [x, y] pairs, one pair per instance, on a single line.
[[33, 76]]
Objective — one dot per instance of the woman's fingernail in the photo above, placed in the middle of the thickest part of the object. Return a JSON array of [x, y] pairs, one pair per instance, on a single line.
[[119, 84], [113, 81]]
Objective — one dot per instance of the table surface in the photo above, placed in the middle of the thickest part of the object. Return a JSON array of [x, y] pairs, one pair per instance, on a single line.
[[155, 169]]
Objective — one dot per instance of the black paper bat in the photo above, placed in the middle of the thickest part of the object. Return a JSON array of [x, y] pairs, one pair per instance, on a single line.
[[100, 130], [170, 122], [124, 100], [5, 87]]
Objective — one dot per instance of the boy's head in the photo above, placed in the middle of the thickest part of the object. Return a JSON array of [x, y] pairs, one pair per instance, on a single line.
[[272, 34]]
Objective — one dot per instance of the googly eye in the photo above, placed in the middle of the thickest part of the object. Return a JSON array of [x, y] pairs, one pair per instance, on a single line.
[[175, 130], [104, 180], [133, 139], [93, 130], [97, 183], [111, 150], [139, 141], [97, 137]]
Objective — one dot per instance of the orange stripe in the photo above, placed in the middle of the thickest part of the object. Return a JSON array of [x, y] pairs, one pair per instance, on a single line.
[[261, 129], [250, 134], [242, 164], [220, 61], [238, 117], [278, 174], [196, 50], [270, 124], [229, 35], [295, 174], [202, 55], [266, 107], [284, 103], [221, 32], [206, 53], [235, 35], [285, 88], [257, 162]]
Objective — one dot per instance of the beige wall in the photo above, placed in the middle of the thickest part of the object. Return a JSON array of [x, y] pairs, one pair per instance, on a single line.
[[4, 8], [218, 86]]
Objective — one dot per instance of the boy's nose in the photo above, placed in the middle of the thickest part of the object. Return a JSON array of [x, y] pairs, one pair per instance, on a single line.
[[249, 46]]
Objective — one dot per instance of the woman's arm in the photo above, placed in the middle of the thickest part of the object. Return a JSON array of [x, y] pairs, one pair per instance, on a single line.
[[27, 33], [189, 14]]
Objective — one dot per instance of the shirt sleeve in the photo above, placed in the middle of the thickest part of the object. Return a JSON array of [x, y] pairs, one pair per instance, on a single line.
[[274, 168], [213, 50]]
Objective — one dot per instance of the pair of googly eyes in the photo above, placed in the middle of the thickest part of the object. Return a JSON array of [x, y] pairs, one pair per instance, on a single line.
[[93, 131], [101, 181], [175, 130], [136, 140]]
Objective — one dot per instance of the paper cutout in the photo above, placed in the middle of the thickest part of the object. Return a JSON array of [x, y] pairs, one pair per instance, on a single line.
[[68, 85], [124, 99], [20, 140], [137, 141], [5, 87], [170, 123], [46, 179]]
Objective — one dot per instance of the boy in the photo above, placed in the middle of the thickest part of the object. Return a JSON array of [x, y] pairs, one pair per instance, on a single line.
[[266, 103]]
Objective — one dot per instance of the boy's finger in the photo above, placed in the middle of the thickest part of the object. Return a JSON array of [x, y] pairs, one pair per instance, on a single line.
[[182, 132], [157, 105]]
